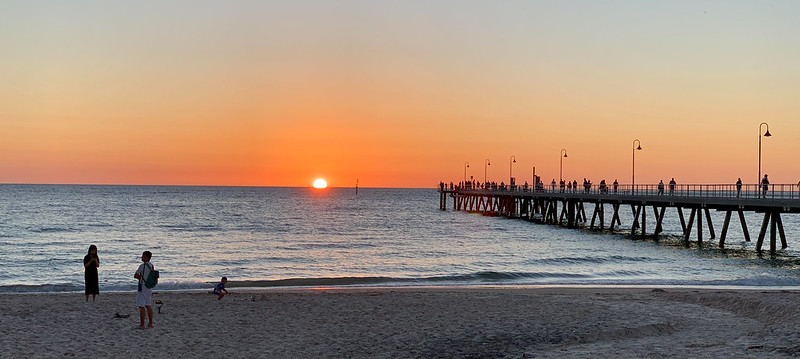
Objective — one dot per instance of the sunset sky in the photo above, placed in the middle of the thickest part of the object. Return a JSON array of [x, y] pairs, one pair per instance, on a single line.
[[396, 93]]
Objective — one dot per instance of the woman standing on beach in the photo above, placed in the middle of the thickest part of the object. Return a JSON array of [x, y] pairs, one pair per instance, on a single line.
[[90, 263]]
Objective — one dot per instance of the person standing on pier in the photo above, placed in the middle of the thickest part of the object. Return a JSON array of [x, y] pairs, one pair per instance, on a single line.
[[764, 185], [616, 185], [553, 184], [672, 186], [574, 185], [738, 187], [660, 187]]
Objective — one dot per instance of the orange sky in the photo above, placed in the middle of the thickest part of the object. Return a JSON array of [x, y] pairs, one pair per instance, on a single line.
[[396, 95]]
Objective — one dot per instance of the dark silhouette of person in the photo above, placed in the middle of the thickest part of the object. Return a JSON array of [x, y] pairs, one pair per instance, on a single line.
[[764, 185], [738, 187], [672, 186], [616, 185], [660, 187], [90, 263]]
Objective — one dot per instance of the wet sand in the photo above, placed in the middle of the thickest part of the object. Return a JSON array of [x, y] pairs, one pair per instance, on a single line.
[[429, 322]]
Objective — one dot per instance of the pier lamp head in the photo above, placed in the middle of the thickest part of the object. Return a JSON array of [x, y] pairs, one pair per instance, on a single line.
[[767, 134], [639, 148], [565, 154]]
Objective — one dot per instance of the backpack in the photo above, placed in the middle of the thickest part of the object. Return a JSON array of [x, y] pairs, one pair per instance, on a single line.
[[152, 278]]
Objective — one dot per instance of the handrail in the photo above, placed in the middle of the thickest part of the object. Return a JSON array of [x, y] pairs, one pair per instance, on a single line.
[[730, 191]]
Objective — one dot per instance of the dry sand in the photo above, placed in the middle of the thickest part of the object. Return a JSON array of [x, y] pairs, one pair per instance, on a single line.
[[469, 322]]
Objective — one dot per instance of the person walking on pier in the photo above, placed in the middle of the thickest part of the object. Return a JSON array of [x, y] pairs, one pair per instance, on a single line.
[[672, 186], [738, 187], [764, 185], [660, 187], [616, 185]]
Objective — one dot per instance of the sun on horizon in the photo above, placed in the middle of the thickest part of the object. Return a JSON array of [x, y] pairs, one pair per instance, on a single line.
[[320, 183]]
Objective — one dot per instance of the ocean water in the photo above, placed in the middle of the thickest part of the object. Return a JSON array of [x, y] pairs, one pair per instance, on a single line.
[[387, 237]]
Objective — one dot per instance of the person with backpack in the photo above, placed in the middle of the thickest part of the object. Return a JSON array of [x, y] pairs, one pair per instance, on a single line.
[[148, 277]]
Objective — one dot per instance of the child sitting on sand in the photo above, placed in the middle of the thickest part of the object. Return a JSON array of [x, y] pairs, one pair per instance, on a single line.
[[221, 288]]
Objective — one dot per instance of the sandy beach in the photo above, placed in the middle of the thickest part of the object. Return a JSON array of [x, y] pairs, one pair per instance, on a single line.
[[464, 322]]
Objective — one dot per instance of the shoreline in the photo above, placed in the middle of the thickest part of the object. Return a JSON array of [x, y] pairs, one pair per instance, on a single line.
[[234, 285], [411, 322]]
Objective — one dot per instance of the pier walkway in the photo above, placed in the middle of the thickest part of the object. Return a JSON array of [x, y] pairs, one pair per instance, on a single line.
[[566, 206]]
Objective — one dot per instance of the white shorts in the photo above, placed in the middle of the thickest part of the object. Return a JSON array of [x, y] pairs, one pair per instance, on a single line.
[[144, 298]]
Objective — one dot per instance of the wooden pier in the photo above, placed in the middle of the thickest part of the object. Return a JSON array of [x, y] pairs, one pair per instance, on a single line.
[[566, 207]]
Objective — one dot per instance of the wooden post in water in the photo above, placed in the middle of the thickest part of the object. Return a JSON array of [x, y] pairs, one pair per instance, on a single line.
[[744, 226], [763, 231], [724, 229], [710, 224]]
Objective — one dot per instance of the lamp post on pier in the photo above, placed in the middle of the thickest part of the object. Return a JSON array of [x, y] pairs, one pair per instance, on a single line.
[[466, 165], [561, 164], [766, 134], [485, 164], [633, 166], [511, 162]]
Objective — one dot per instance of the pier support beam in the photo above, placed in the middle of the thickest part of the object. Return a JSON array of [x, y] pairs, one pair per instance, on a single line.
[[599, 212], [744, 226], [688, 230], [636, 211], [615, 217], [683, 223], [710, 224], [763, 231], [659, 219], [699, 226], [724, 229], [780, 230]]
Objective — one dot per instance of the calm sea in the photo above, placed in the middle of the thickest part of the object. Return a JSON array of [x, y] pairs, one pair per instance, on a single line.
[[300, 236]]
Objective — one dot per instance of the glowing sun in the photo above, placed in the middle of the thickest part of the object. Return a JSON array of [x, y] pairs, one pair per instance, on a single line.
[[320, 183]]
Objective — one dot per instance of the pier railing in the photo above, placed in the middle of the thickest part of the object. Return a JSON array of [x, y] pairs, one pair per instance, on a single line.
[[732, 191]]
